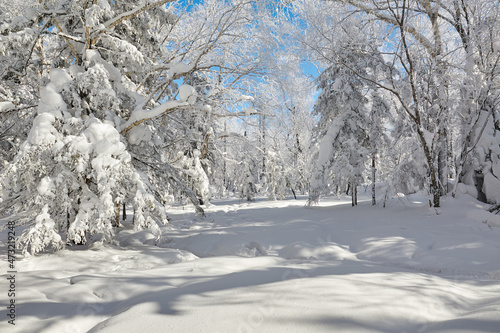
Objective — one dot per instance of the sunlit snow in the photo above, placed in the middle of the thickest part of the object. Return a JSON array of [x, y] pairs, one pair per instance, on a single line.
[[276, 266]]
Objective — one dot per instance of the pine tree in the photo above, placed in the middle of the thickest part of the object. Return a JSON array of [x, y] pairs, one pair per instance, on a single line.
[[344, 125]]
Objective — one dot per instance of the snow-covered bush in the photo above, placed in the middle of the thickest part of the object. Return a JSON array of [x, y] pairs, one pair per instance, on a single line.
[[75, 171]]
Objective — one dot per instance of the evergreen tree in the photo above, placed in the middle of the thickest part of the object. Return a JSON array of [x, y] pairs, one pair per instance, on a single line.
[[112, 77]]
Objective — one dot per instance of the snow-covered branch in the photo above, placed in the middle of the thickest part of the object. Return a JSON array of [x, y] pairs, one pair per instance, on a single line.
[[139, 116]]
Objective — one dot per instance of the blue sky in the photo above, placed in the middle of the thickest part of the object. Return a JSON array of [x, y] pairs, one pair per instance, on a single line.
[[309, 68], [186, 2]]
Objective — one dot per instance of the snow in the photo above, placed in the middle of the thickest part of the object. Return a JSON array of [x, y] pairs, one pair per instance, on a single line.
[[139, 114], [51, 100], [112, 71], [480, 215], [59, 78], [46, 186], [491, 187], [113, 21], [326, 146], [43, 235], [105, 138], [140, 134], [6, 106], [244, 98], [43, 131], [180, 68], [187, 93], [276, 266], [324, 156]]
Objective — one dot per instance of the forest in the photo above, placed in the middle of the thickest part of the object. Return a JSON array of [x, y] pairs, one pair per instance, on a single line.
[[250, 165], [144, 104]]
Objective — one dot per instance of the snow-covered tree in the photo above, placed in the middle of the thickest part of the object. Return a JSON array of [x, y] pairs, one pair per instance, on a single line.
[[121, 84], [350, 114], [437, 61], [477, 96], [22, 64], [342, 153]]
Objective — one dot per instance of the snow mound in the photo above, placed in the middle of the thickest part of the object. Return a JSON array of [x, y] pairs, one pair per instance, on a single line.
[[252, 249], [394, 249], [248, 249], [479, 215], [492, 187], [148, 260], [135, 238], [302, 250], [178, 256], [145, 239]]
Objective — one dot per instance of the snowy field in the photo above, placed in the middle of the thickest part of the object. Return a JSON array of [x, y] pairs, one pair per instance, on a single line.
[[276, 266]]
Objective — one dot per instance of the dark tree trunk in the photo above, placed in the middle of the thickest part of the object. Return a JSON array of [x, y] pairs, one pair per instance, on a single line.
[[124, 212], [374, 202], [117, 214], [479, 182], [443, 163], [354, 194]]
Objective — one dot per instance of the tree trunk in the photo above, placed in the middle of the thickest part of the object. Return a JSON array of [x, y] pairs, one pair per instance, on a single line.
[[352, 197], [355, 188], [436, 193], [354, 194], [479, 182], [443, 162], [291, 188], [374, 202], [124, 212], [226, 180], [433, 172], [68, 216], [117, 214]]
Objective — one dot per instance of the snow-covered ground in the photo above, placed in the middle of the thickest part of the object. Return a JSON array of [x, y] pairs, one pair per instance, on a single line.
[[276, 267]]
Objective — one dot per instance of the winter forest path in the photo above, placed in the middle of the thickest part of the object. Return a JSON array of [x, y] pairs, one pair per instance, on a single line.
[[276, 266]]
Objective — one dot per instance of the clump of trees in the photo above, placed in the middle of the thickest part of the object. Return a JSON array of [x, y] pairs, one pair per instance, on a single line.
[[139, 104], [109, 103], [434, 67]]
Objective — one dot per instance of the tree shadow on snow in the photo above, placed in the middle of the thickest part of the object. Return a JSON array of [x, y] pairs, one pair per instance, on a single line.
[[166, 300]]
